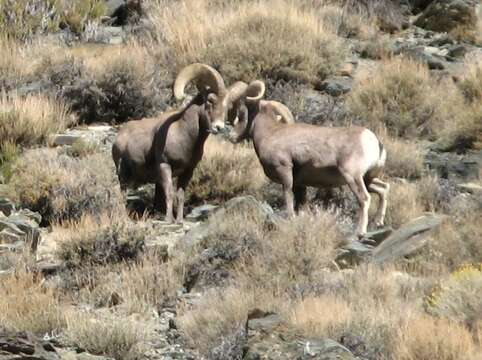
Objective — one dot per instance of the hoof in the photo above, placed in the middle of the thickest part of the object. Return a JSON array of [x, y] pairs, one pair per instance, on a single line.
[[379, 224]]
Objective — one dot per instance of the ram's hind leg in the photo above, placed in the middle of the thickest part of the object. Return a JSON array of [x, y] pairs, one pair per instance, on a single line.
[[300, 196], [381, 189], [357, 185]]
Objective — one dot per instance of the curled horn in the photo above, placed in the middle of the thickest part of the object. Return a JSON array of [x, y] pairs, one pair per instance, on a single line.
[[283, 111], [237, 90], [204, 75], [255, 91]]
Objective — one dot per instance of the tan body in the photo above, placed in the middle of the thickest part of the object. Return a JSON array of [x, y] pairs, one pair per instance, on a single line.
[[301, 155]]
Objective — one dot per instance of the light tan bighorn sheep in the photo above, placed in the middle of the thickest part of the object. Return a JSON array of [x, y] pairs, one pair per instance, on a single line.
[[157, 150], [298, 155]]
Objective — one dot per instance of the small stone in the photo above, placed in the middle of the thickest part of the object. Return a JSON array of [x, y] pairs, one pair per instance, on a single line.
[[63, 139], [6, 206], [471, 188], [201, 213], [337, 85], [7, 236], [31, 215]]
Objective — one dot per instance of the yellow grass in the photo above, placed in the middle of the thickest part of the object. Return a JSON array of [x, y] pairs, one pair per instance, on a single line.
[[225, 171], [25, 305], [247, 40], [29, 120]]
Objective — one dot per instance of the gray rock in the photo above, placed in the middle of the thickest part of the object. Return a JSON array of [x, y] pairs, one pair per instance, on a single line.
[[5, 224], [63, 139], [434, 60], [201, 213], [112, 6], [446, 15], [276, 340], [6, 206], [25, 346], [459, 168], [407, 240], [7, 236], [337, 85], [471, 188], [325, 349], [375, 237], [353, 254], [27, 225], [29, 214]]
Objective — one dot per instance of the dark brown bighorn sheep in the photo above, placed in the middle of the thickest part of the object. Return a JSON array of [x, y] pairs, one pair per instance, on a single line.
[[298, 155], [157, 150]]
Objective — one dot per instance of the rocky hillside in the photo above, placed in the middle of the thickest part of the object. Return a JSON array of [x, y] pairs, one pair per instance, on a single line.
[[87, 273]]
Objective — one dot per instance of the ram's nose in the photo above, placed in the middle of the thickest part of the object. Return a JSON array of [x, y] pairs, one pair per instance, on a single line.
[[217, 128]]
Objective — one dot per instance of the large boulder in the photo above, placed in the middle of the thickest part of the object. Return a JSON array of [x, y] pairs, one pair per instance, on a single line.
[[446, 15], [407, 240]]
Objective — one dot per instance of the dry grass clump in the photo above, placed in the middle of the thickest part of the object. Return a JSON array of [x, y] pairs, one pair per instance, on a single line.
[[220, 313], [21, 19], [297, 250], [404, 204], [277, 39], [225, 171], [29, 120], [137, 287], [457, 242], [114, 86], [471, 81], [405, 158], [426, 338], [236, 233], [117, 338], [402, 98], [25, 305], [61, 187], [458, 297], [93, 242]]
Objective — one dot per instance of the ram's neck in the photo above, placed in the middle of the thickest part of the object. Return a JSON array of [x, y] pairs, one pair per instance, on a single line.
[[264, 123]]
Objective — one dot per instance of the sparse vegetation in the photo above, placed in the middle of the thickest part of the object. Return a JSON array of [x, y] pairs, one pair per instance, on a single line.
[[63, 188], [196, 32], [29, 121], [226, 171], [108, 336], [26, 306], [402, 98], [92, 242]]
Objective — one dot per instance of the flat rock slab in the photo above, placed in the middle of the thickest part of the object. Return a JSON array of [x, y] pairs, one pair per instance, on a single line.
[[407, 240]]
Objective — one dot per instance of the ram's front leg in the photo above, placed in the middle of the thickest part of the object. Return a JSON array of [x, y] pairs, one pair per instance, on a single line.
[[182, 183], [165, 181], [285, 174]]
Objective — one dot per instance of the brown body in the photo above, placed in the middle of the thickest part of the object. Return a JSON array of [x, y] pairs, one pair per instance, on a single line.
[[301, 155], [157, 150]]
